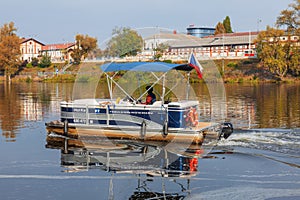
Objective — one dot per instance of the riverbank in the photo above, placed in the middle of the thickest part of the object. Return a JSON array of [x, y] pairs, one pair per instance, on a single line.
[[232, 71]]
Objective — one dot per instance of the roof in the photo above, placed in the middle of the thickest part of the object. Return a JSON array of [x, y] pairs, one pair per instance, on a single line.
[[23, 40], [50, 47], [218, 40], [183, 40], [170, 36], [144, 67]]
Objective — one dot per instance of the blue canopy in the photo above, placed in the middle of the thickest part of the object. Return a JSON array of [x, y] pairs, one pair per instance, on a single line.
[[144, 67]]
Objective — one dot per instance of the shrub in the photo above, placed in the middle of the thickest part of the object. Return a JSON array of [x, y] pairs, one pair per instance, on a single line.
[[45, 61], [35, 62], [232, 64]]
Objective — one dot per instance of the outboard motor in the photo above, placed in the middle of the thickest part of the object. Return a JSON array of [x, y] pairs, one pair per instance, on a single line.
[[227, 129]]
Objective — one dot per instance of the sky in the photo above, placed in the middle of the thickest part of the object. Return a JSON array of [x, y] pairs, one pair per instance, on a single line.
[[58, 21]]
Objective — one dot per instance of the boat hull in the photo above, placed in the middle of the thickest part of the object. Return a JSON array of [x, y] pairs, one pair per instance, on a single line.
[[195, 135]]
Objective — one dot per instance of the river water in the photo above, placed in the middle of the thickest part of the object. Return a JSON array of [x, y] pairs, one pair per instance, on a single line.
[[260, 160]]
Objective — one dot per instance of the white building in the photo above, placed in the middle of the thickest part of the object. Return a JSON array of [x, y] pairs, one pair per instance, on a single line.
[[230, 45], [30, 48]]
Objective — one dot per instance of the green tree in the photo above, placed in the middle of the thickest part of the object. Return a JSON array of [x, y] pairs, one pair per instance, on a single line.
[[45, 61], [227, 25], [84, 45], [220, 29], [9, 50], [160, 49], [125, 42]]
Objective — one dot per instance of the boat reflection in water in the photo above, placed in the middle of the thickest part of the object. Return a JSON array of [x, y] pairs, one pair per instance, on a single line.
[[149, 161]]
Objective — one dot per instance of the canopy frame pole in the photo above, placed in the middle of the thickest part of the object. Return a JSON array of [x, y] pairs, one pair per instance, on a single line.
[[113, 81], [158, 79], [174, 86], [188, 86], [163, 90], [109, 83]]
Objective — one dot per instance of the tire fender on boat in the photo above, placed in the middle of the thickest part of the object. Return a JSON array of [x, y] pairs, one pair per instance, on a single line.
[[165, 129], [66, 127]]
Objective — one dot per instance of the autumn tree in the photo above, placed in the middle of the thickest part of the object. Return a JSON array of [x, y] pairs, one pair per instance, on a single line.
[[220, 29], [125, 42], [278, 55], [9, 50], [289, 19], [227, 25], [271, 51], [84, 45]]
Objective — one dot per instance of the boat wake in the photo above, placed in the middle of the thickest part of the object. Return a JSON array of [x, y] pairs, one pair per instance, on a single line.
[[278, 140], [281, 145]]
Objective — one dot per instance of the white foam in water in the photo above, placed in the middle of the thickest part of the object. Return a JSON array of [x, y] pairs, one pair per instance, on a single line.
[[245, 193], [278, 140]]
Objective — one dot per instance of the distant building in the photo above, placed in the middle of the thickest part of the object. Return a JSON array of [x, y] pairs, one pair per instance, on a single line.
[[200, 31], [30, 48], [59, 52], [227, 46], [153, 41]]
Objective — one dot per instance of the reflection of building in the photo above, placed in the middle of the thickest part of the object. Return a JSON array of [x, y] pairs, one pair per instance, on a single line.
[[30, 48], [242, 112], [31, 109], [200, 31]]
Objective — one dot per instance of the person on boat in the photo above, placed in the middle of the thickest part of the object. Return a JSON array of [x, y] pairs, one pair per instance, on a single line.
[[151, 98]]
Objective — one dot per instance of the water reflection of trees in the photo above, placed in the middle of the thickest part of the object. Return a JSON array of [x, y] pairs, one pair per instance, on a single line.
[[21, 102], [10, 111], [264, 105], [278, 105], [254, 106]]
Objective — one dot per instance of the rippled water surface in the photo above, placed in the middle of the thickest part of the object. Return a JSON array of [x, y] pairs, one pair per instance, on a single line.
[[260, 160]]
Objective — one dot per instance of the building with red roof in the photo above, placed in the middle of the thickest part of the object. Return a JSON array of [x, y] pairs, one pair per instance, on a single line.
[[59, 52], [32, 48]]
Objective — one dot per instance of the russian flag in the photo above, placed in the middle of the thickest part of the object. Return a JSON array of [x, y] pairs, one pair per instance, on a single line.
[[193, 62]]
